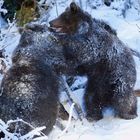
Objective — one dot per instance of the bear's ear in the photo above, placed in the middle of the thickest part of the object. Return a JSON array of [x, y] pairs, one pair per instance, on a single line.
[[73, 7]]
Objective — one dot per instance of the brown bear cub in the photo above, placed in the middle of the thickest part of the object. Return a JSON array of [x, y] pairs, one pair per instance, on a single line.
[[29, 90], [93, 49]]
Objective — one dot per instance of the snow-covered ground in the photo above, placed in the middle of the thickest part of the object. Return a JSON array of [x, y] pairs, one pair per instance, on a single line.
[[109, 128]]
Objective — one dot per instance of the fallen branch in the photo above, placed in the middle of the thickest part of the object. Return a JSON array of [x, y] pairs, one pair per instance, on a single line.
[[68, 91]]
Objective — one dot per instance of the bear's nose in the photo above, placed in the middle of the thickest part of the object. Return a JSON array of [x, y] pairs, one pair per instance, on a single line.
[[51, 23]]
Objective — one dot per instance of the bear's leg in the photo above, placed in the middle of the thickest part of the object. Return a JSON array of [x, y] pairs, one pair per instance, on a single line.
[[92, 102], [125, 105], [93, 108]]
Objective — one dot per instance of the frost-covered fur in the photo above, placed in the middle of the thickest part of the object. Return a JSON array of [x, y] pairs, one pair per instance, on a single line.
[[29, 93], [29, 89], [106, 61], [37, 43]]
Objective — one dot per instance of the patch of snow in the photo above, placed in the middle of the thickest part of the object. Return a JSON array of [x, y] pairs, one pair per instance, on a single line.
[[109, 128]]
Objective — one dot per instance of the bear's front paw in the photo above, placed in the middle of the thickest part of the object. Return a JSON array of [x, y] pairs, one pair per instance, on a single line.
[[128, 116]]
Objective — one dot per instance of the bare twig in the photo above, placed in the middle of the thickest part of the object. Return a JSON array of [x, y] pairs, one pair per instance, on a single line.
[[138, 27], [135, 53], [7, 33], [56, 7], [31, 134], [69, 121], [20, 120]]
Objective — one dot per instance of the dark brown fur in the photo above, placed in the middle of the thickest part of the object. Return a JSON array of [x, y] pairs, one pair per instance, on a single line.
[[27, 94], [96, 51], [70, 21], [30, 87]]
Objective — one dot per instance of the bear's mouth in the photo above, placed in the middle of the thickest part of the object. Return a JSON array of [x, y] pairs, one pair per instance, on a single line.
[[58, 29], [55, 29]]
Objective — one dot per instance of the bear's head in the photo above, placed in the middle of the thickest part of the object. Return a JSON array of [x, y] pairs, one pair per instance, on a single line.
[[68, 22]]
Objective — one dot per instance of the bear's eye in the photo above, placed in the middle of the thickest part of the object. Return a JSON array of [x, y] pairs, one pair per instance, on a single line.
[[66, 17]]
